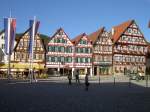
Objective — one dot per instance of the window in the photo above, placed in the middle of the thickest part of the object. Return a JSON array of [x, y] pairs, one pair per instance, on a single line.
[[68, 49], [59, 59], [68, 59], [37, 44], [84, 50], [3, 46], [81, 50], [56, 59], [49, 59], [55, 40], [40, 56], [21, 44], [129, 39], [62, 49], [129, 30], [52, 59], [110, 48], [132, 59], [25, 43], [59, 48], [34, 56], [58, 40], [49, 48], [17, 56], [135, 31], [2, 37], [62, 59], [83, 60], [77, 60], [89, 60], [78, 50], [63, 40], [89, 50], [56, 48], [83, 42], [123, 37]]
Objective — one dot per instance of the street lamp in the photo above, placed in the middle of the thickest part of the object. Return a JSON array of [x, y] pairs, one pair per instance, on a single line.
[[63, 66], [99, 63]]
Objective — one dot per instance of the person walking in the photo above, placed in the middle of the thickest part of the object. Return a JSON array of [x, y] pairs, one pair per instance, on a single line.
[[34, 75], [87, 82], [69, 78], [77, 77]]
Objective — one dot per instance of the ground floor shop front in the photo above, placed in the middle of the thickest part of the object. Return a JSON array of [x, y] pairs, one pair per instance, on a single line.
[[102, 69], [64, 71]]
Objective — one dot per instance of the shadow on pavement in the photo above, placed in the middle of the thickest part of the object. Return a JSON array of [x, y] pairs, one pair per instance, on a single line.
[[59, 96]]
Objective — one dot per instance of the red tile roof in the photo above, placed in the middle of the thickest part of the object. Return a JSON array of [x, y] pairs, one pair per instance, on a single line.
[[77, 38], [93, 36], [120, 29]]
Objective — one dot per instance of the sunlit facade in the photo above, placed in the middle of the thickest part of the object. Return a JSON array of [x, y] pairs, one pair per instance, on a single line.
[[129, 49]]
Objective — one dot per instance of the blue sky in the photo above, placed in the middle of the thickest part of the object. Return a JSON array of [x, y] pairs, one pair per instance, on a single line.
[[76, 16]]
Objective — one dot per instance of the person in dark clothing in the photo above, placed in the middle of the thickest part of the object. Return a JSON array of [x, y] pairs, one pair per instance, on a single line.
[[34, 75], [77, 77], [69, 78], [86, 82]]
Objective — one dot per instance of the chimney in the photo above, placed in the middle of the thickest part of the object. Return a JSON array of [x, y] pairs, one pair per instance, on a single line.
[[112, 31]]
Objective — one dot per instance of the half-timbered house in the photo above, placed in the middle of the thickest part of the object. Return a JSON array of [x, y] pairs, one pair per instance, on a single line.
[[102, 52], [82, 54], [3, 55], [129, 49], [21, 52], [59, 53]]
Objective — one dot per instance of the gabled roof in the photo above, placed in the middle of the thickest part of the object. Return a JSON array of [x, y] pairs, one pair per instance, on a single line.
[[43, 38], [120, 29], [93, 36], [19, 37], [58, 30], [78, 38]]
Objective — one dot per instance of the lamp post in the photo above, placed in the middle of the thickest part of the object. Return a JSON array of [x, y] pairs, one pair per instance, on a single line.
[[59, 68], [63, 67], [99, 63], [113, 64]]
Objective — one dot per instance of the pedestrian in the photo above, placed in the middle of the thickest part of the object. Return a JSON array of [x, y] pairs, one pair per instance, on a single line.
[[86, 82], [34, 77], [77, 77], [69, 78]]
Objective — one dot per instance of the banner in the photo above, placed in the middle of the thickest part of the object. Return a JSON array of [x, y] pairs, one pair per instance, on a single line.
[[10, 32], [34, 25]]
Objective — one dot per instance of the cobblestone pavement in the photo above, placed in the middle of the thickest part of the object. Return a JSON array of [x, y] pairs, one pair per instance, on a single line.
[[55, 95]]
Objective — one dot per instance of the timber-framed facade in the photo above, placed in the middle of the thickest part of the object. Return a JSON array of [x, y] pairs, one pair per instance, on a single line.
[[102, 52], [59, 54], [129, 49], [21, 51], [83, 54]]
